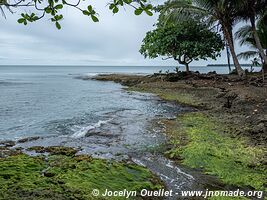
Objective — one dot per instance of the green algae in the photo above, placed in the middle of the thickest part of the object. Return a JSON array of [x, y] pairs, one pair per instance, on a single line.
[[182, 97], [209, 148], [69, 177]]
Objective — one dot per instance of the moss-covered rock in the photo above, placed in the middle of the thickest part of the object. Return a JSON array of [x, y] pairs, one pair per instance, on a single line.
[[209, 148], [69, 177]]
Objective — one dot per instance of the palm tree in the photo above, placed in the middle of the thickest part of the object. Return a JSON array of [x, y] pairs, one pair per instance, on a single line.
[[246, 37], [220, 12], [249, 10]]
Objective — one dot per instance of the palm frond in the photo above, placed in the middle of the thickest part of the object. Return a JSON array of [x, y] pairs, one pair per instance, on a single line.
[[248, 54], [205, 4], [2, 12], [244, 31], [181, 10], [245, 36]]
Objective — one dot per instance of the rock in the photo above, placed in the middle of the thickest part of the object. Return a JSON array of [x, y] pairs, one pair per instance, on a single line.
[[260, 128], [28, 139], [263, 118], [8, 143]]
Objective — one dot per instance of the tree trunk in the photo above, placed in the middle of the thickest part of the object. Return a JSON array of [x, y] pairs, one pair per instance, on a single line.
[[264, 66], [182, 62], [264, 74], [257, 40], [228, 58], [187, 67], [229, 38]]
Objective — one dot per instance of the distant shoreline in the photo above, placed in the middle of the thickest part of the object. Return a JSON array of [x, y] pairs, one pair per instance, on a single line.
[[209, 65], [226, 65]]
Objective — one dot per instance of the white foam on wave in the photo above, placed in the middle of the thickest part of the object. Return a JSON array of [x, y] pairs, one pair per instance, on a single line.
[[82, 132], [91, 74]]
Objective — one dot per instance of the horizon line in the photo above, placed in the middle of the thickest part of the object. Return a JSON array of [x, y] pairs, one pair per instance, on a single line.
[[82, 65]]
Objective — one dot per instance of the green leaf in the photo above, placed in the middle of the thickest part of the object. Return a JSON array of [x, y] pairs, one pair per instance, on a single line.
[[111, 6], [85, 12], [60, 17], [149, 7], [21, 20], [94, 18], [148, 12], [58, 26], [138, 11], [128, 1], [48, 10], [115, 10], [59, 6], [90, 8]]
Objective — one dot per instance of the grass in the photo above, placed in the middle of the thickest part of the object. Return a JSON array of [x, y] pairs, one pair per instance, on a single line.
[[69, 177], [218, 154]]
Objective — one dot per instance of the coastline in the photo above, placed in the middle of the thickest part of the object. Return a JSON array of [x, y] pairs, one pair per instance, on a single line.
[[211, 119], [225, 136]]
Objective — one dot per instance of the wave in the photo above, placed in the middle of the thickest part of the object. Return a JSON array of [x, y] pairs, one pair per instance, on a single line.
[[87, 76], [8, 83], [82, 132]]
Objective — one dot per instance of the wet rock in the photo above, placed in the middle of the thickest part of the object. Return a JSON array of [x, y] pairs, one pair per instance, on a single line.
[[8, 143], [54, 150], [28, 139]]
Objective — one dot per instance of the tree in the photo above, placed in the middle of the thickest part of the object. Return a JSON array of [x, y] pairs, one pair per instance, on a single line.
[[249, 10], [184, 42], [245, 35], [221, 12], [52, 9]]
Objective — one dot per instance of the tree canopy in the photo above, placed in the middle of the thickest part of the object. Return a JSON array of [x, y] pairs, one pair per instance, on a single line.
[[220, 13], [246, 37], [52, 8], [184, 42]]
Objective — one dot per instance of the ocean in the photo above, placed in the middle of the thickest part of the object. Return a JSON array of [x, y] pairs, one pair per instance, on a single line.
[[50, 100], [52, 106]]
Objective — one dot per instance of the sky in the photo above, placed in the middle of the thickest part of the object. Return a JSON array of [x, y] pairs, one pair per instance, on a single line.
[[115, 40]]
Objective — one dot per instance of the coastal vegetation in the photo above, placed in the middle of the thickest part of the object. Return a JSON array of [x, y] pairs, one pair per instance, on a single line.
[[185, 42], [220, 16], [245, 36], [52, 9], [64, 175]]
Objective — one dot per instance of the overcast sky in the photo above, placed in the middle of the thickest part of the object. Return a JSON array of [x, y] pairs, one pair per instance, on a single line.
[[115, 40]]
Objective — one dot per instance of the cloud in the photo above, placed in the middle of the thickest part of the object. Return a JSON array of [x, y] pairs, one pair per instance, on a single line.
[[115, 40]]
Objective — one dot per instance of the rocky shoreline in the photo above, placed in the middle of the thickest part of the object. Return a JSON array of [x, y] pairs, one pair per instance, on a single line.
[[235, 101], [227, 134], [221, 142]]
